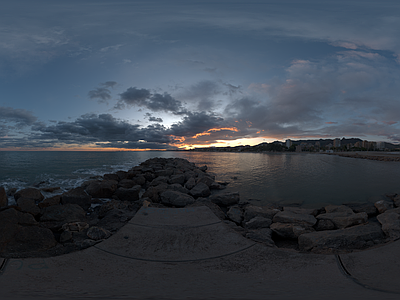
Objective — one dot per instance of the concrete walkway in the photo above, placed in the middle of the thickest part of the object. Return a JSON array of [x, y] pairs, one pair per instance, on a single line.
[[189, 253]]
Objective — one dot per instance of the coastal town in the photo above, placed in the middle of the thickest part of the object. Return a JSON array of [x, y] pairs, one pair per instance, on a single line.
[[321, 145]]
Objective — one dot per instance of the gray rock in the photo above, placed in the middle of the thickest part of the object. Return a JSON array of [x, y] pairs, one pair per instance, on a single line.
[[97, 233], [178, 187], [126, 183], [396, 200], [190, 183], [12, 216], [290, 230], [177, 179], [338, 209], [63, 213], [3, 197], [334, 241], [111, 177], [257, 223], [176, 198], [390, 221], [344, 219], [115, 218], [28, 205], [102, 189], [324, 225], [65, 237], [139, 180], [289, 217], [131, 194], [153, 192], [262, 236], [235, 213], [252, 211], [159, 180], [301, 211], [31, 193], [225, 199], [368, 208], [77, 196], [206, 180], [55, 200], [383, 205], [200, 190]]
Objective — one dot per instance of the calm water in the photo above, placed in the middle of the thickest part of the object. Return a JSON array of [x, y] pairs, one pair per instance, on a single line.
[[310, 180]]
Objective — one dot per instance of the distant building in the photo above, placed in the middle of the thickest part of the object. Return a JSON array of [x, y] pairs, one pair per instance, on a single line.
[[336, 143], [380, 145], [289, 143]]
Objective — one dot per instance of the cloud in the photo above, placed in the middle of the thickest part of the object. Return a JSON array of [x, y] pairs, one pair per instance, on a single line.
[[202, 94], [20, 117], [144, 98], [153, 119], [102, 94], [109, 84], [194, 123]]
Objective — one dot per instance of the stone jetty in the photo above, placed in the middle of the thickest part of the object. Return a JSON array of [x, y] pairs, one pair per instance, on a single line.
[[82, 217]]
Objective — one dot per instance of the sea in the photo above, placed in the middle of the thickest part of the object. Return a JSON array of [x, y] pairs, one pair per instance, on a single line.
[[302, 179]]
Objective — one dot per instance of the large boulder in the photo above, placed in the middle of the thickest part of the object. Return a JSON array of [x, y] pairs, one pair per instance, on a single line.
[[200, 190], [252, 211], [31, 193], [335, 241], [344, 219], [206, 180], [290, 230], [28, 205], [3, 197], [128, 194], [225, 199], [178, 187], [235, 213], [390, 221], [262, 235], [77, 196], [175, 198], [63, 213], [12, 216], [55, 200], [102, 189], [191, 182], [368, 208], [290, 217], [257, 223], [153, 192], [180, 178], [383, 205], [126, 183]]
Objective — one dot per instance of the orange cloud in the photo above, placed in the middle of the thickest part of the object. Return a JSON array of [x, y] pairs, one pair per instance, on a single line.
[[209, 131]]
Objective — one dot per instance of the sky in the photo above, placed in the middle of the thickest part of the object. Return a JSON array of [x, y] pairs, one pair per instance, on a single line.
[[161, 74]]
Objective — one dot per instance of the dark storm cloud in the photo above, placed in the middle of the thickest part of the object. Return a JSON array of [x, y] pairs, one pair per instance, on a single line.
[[153, 119], [195, 122], [144, 98], [104, 128], [21, 117], [202, 94]]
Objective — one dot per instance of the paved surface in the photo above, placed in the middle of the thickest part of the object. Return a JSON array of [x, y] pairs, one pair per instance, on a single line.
[[189, 254]]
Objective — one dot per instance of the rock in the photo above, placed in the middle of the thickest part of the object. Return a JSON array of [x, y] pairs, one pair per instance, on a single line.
[[252, 211], [122, 175], [262, 236], [200, 190], [257, 223], [28, 205], [77, 196], [153, 192], [214, 207], [159, 180], [390, 221], [97, 233], [3, 197], [12, 216], [301, 211], [334, 241], [206, 180], [324, 225], [339, 209], [63, 213], [126, 183], [396, 200], [178, 187], [190, 183], [383, 205], [29, 239], [139, 180], [117, 204], [128, 194], [177, 179], [225, 199], [115, 219], [289, 217], [66, 236], [50, 189], [111, 177], [75, 226], [235, 213], [368, 208], [344, 219], [31, 193], [55, 200], [290, 230], [86, 243], [175, 198], [102, 189], [235, 227]]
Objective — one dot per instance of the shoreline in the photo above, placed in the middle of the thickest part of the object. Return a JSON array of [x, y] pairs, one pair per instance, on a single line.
[[371, 155], [91, 213]]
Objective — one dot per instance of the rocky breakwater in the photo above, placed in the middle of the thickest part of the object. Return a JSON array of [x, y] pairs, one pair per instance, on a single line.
[[84, 216]]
